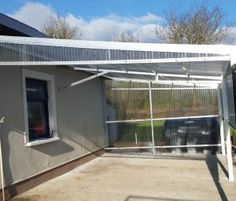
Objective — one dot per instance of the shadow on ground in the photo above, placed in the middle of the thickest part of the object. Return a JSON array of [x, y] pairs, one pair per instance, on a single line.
[[212, 164]]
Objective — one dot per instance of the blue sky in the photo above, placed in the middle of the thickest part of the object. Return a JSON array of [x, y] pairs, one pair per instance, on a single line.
[[139, 16], [97, 8]]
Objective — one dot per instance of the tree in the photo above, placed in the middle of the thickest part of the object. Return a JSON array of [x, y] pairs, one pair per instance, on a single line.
[[200, 25], [59, 27], [127, 37]]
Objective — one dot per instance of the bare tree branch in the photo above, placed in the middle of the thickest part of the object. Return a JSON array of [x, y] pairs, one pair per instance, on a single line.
[[127, 37], [200, 25], [59, 27]]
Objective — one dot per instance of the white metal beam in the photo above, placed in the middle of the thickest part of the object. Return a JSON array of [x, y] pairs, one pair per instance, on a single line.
[[222, 129], [213, 84], [205, 82], [105, 62], [115, 71], [160, 119], [162, 89], [191, 76], [163, 147], [219, 78], [83, 80], [87, 79], [222, 136]]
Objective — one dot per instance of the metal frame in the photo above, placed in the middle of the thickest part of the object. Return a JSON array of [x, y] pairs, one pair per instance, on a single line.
[[217, 53], [150, 73], [87, 79], [160, 119], [220, 108], [151, 117], [83, 80], [161, 89], [226, 132], [163, 147], [229, 154], [213, 84], [217, 78]]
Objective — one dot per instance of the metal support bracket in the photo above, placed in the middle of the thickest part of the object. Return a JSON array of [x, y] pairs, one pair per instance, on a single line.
[[84, 80]]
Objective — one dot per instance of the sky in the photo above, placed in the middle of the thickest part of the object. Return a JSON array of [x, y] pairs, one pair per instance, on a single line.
[[105, 19]]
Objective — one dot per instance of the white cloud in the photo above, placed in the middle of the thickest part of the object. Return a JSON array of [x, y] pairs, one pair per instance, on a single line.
[[232, 36], [34, 14], [100, 28]]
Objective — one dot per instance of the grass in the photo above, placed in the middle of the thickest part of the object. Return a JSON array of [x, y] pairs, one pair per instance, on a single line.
[[142, 130]]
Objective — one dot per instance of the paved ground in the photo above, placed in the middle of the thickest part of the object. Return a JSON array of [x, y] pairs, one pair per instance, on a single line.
[[127, 178]]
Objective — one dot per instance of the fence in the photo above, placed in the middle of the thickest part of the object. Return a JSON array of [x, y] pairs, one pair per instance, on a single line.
[[161, 118]]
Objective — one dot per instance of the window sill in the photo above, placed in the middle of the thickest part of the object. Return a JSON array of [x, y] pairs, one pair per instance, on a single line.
[[38, 142]]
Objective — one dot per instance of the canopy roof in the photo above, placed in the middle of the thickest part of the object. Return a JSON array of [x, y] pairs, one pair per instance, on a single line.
[[204, 64]]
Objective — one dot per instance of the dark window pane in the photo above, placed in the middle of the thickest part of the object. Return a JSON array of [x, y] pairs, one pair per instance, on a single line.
[[37, 103], [36, 89]]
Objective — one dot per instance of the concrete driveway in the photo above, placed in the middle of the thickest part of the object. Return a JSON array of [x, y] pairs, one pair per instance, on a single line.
[[143, 178]]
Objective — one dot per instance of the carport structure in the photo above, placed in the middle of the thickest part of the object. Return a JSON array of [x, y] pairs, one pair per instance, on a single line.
[[185, 66]]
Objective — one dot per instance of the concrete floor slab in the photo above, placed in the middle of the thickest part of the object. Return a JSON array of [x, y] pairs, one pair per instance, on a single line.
[[129, 178]]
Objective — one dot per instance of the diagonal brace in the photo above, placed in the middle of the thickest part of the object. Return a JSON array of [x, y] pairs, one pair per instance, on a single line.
[[84, 80], [87, 79]]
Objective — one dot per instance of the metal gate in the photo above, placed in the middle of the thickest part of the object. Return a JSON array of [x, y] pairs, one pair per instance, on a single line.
[[162, 118]]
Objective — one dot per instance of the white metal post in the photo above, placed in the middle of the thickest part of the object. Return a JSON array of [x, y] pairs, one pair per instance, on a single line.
[[229, 154], [151, 118], [221, 121], [136, 138], [222, 136]]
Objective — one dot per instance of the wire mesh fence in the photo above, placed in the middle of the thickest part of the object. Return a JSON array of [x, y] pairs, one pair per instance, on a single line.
[[183, 120]]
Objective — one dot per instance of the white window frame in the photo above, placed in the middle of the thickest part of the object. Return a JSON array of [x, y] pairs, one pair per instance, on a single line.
[[52, 115]]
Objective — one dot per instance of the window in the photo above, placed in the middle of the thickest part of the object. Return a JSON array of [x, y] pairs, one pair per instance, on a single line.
[[39, 107]]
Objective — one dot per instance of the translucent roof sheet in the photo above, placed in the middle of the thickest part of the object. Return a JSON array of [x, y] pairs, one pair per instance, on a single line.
[[123, 60]]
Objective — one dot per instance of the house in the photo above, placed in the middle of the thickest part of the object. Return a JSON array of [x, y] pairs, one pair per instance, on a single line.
[[47, 129], [12, 27], [52, 97]]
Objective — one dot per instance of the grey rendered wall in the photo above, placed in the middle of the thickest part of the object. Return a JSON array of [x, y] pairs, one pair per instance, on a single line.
[[80, 119]]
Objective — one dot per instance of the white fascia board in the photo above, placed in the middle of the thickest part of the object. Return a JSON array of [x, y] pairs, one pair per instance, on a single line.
[[182, 48], [106, 62]]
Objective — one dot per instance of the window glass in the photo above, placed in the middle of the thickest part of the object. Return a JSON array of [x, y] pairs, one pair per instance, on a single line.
[[36, 89], [37, 105]]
